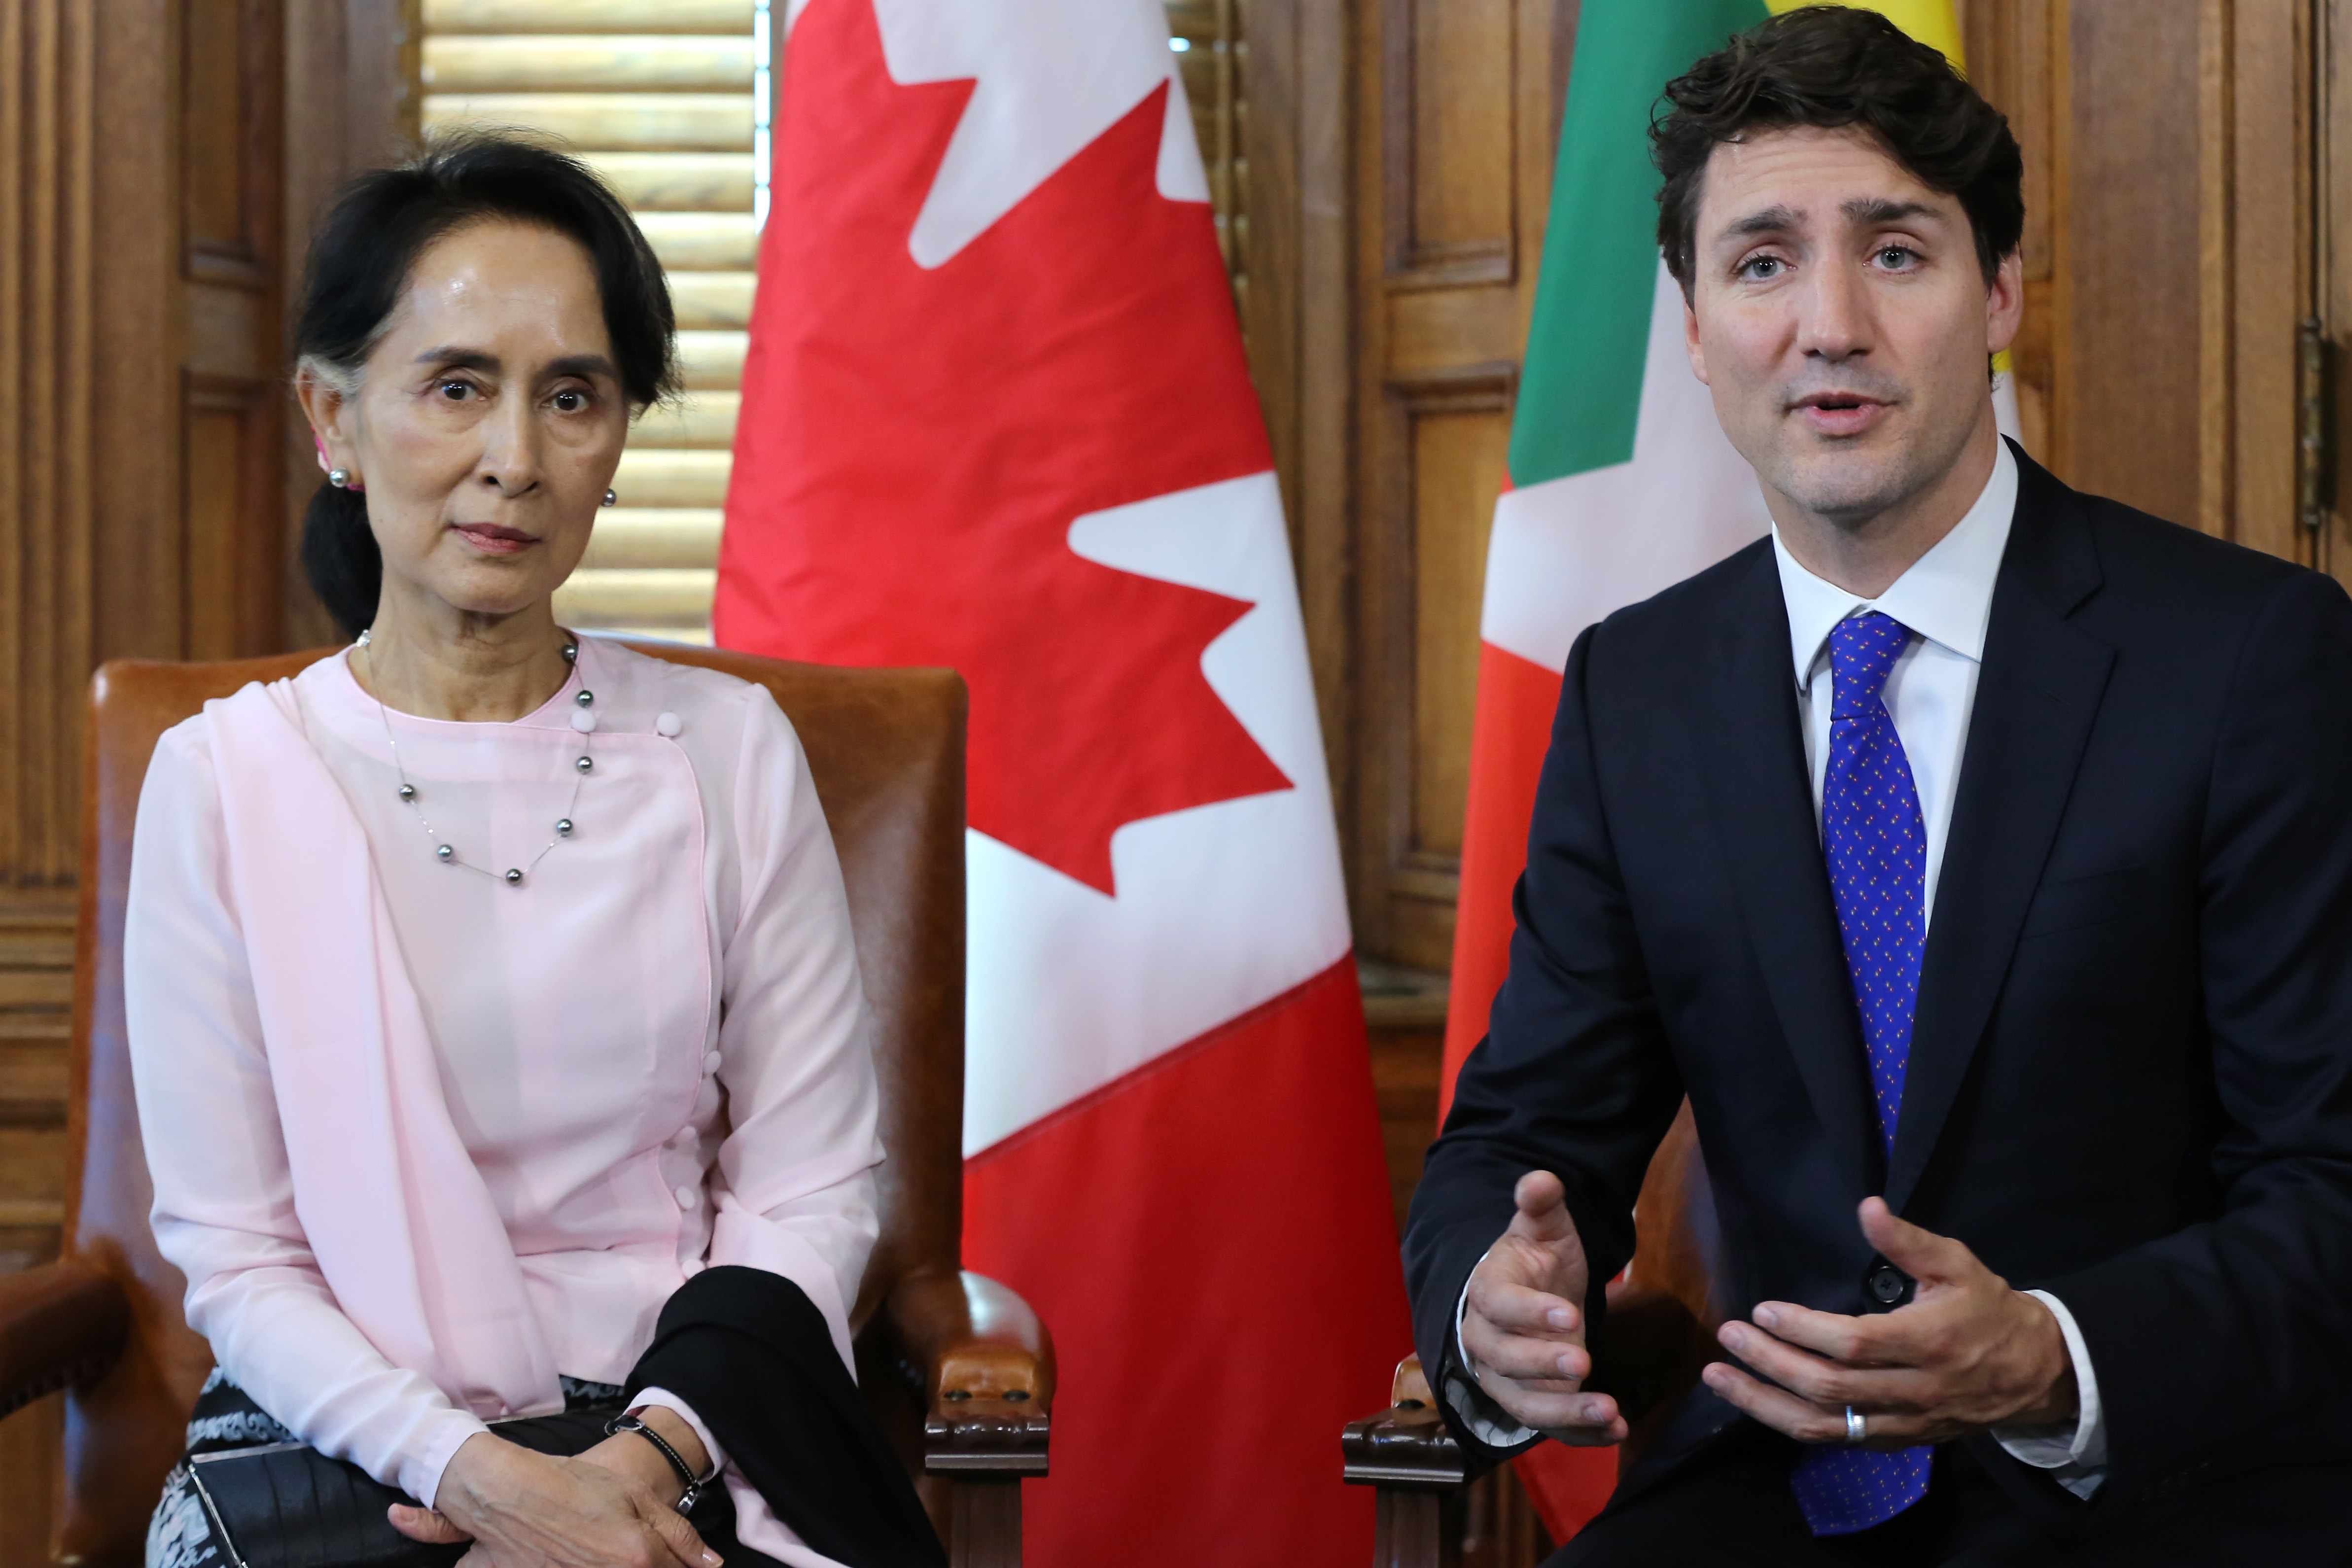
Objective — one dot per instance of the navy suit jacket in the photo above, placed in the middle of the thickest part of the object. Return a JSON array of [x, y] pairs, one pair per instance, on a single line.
[[2130, 1079]]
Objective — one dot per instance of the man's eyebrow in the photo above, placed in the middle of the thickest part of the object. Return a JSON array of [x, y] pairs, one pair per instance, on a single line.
[[1869, 209], [1879, 210], [1771, 219]]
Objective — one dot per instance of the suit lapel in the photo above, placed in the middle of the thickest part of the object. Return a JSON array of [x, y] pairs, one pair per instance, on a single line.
[[2037, 696], [1760, 793]]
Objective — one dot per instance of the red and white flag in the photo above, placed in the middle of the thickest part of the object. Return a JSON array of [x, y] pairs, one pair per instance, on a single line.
[[996, 416]]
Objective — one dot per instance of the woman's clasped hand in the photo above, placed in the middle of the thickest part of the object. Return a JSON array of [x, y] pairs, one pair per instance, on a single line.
[[524, 1510]]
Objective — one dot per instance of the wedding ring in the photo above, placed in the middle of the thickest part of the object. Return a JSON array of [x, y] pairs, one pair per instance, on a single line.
[[1857, 1427]]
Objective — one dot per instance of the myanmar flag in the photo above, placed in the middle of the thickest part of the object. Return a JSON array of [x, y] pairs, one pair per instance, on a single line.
[[1622, 484]]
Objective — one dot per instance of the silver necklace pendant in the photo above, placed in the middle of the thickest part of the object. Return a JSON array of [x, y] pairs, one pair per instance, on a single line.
[[446, 852]]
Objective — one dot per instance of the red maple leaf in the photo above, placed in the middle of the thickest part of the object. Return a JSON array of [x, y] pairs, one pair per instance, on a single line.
[[915, 444]]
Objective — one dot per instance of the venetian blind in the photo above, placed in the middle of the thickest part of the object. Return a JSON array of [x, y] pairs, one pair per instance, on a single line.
[[668, 99]]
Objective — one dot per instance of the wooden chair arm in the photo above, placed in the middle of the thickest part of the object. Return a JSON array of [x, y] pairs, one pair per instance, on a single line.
[[1407, 1444], [982, 1366], [61, 1324], [1417, 1468]]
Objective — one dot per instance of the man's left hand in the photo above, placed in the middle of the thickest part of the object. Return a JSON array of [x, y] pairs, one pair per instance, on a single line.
[[1967, 1353]]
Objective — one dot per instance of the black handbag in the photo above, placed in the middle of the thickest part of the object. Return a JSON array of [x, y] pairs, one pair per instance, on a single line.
[[287, 1505]]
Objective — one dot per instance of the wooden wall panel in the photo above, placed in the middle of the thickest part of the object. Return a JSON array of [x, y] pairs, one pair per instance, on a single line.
[[1458, 447], [1452, 147], [1448, 137], [2131, 222], [2168, 250], [50, 245], [2262, 225], [2332, 286], [48, 71], [232, 434]]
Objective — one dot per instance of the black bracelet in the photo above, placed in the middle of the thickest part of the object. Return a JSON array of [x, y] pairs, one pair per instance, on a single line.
[[627, 1422]]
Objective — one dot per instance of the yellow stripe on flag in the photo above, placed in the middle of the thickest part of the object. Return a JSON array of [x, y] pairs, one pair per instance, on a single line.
[[1932, 22]]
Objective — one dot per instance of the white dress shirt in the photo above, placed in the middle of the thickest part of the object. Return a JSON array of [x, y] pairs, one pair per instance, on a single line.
[[1945, 599]]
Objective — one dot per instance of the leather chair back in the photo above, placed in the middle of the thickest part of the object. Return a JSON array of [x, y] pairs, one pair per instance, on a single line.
[[886, 749], [1662, 1316]]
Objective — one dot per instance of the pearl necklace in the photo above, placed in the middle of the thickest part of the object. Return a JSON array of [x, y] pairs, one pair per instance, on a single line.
[[446, 852]]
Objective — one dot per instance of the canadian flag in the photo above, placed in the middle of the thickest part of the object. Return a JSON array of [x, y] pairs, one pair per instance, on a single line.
[[996, 416]]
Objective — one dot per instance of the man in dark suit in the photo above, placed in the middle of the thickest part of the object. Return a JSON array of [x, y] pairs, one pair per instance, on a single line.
[[1976, 856]]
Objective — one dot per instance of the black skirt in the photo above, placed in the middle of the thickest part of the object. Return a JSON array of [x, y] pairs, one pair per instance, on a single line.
[[751, 1354], [181, 1534]]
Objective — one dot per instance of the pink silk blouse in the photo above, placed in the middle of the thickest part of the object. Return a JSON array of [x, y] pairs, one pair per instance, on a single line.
[[422, 1140]]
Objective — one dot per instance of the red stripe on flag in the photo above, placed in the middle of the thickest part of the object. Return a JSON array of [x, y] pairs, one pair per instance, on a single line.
[[1222, 1299], [1508, 733]]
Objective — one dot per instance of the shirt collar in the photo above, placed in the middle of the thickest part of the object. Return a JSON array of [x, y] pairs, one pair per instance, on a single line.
[[1946, 596]]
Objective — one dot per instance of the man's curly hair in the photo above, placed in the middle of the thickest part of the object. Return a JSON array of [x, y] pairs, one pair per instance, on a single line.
[[1833, 66]]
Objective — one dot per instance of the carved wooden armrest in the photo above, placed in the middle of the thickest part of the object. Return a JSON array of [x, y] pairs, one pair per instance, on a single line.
[[983, 1366], [61, 1324], [1407, 1444], [1408, 1455]]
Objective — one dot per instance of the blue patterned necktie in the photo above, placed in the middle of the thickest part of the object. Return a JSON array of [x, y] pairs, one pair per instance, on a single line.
[[1876, 848]]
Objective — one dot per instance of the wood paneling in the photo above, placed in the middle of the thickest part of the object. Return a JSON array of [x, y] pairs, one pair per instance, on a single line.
[[2332, 236], [29, 1443], [2265, 233], [231, 588], [2132, 213], [48, 245], [2169, 249], [1458, 444], [1453, 153], [1449, 136]]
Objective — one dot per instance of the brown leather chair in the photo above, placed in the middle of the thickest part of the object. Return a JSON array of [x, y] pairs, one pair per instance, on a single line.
[[1657, 1336], [957, 1366]]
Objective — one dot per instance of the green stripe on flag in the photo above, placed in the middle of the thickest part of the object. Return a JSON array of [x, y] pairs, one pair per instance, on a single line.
[[1581, 381]]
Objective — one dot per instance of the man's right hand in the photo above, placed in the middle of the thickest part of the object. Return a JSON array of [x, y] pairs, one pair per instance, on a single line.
[[1523, 1323]]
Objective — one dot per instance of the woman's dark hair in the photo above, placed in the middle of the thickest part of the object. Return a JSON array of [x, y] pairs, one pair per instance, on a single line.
[[1832, 66], [360, 262]]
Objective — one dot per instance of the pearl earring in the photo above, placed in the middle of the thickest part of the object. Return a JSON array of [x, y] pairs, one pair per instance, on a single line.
[[611, 499], [341, 478]]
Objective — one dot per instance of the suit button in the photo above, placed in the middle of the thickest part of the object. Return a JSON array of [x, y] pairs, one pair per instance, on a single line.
[[1888, 1285]]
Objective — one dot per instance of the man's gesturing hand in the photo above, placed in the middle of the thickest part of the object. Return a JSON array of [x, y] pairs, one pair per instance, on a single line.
[[1523, 1321], [1967, 1353]]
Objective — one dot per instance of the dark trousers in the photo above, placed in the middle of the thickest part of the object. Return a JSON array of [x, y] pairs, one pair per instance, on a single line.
[[1733, 1509]]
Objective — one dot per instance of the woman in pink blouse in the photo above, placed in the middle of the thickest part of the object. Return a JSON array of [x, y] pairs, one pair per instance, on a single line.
[[498, 1030]]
